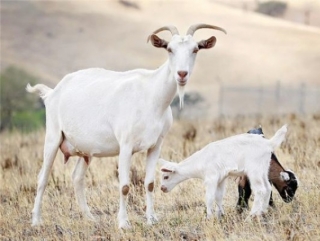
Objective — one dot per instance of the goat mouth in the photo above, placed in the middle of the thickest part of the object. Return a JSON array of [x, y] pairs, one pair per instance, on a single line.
[[182, 82], [286, 197], [164, 189]]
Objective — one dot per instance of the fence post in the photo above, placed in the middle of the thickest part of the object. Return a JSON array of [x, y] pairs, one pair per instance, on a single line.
[[277, 96], [260, 100], [221, 98], [302, 98]]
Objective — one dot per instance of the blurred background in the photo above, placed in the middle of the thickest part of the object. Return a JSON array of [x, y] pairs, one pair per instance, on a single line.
[[267, 64]]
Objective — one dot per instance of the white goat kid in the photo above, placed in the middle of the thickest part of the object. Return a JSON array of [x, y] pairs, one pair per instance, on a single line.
[[247, 154], [96, 112]]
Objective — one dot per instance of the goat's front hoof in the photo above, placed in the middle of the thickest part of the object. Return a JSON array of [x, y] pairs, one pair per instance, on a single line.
[[220, 216], [90, 217], [36, 222], [253, 218], [125, 225], [241, 209]]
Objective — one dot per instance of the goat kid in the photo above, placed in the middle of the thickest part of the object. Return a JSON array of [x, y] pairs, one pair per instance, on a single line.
[[100, 113], [233, 156], [285, 181]]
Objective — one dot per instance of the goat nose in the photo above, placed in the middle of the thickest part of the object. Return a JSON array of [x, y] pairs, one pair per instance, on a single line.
[[163, 188], [182, 74]]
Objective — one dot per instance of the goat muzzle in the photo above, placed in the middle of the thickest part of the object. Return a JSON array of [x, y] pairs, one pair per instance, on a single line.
[[164, 189]]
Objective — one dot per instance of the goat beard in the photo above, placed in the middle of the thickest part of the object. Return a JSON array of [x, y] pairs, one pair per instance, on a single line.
[[181, 95]]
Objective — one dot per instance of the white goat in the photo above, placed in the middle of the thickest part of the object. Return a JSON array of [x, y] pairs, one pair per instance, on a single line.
[[96, 112], [247, 154]]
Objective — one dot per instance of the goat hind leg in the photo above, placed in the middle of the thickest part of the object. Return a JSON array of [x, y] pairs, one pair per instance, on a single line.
[[78, 176], [211, 187], [219, 197], [259, 190], [52, 142], [267, 196]]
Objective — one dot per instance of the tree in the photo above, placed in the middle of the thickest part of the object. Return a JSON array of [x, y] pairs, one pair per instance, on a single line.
[[17, 105]]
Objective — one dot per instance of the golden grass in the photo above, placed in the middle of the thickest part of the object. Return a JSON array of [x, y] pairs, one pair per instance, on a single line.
[[181, 213]]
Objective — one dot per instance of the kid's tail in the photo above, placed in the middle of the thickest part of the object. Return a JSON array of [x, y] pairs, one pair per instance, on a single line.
[[279, 137], [40, 89]]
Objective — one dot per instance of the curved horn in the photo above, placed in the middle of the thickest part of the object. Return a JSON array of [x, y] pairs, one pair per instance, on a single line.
[[195, 27], [170, 28]]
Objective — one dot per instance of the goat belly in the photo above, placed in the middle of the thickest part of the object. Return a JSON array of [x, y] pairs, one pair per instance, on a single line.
[[237, 172]]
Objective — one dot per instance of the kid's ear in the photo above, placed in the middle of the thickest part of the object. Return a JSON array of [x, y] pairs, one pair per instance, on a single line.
[[284, 176], [167, 169], [167, 166]]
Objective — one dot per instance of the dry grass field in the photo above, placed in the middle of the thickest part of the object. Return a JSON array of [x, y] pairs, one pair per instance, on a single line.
[[181, 213]]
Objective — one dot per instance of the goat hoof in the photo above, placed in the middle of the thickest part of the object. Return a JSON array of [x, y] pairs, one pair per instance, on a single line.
[[152, 220], [36, 222], [125, 225], [90, 217]]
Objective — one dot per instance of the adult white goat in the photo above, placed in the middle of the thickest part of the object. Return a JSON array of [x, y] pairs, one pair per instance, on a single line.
[[96, 112], [245, 154]]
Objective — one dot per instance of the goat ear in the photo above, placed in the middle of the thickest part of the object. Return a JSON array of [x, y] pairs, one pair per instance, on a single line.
[[165, 169], [284, 176], [208, 43], [158, 42]]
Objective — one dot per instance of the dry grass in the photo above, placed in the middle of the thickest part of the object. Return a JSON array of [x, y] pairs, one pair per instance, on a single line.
[[181, 212]]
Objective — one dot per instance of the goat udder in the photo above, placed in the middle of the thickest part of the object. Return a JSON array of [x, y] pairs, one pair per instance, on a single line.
[[65, 150]]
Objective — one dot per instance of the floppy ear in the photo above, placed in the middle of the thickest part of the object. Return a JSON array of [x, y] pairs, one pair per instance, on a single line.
[[166, 169], [167, 166], [284, 176], [208, 43], [158, 42]]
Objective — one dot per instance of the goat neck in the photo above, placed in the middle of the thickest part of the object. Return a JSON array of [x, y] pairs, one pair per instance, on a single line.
[[164, 87]]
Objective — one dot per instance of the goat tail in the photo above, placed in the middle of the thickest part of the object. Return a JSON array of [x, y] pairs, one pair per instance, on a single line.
[[40, 89], [279, 137]]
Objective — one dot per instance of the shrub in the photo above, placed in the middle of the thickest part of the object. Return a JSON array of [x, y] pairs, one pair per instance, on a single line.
[[19, 109], [272, 8]]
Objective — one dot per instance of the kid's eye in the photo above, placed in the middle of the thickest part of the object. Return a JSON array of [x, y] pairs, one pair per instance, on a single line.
[[169, 50], [195, 50], [166, 177]]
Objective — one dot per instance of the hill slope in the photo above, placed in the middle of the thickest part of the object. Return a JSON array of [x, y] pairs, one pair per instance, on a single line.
[[52, 39]]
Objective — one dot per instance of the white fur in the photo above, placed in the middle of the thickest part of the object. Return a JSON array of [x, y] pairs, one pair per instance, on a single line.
[[241, 154], [284, 176], [106, 113]]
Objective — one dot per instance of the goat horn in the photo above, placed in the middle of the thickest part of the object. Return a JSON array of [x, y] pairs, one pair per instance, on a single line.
[[195, 27], [170, 28]]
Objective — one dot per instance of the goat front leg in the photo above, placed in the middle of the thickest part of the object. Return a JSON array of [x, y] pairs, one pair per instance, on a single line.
[[244, 191], [124, 181], [152, 158], [78, 176]]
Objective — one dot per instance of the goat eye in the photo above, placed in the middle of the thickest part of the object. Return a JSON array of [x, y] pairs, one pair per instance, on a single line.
[[169, 50], [166, 177], [195, 50]]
